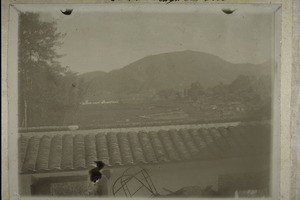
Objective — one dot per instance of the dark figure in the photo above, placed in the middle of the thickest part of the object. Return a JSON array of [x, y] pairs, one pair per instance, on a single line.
[[67, 11], [95, 174], [228, 11]]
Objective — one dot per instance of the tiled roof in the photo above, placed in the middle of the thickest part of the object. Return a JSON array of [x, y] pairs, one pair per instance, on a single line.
[[75, 151]]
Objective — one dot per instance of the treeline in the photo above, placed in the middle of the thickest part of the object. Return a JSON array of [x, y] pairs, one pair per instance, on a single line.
[[245, 89], [47, 90]]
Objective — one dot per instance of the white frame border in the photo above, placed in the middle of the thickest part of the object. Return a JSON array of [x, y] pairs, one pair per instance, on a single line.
[[285, 86]]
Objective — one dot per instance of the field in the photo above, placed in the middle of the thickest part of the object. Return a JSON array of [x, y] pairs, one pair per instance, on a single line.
[[154, 113]]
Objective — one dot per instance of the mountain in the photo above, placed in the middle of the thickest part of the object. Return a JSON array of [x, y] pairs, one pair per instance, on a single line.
[[174, 70], [89, 76]]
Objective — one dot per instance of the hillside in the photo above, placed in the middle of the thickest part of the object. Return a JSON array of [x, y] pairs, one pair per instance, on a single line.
[[175, 70]]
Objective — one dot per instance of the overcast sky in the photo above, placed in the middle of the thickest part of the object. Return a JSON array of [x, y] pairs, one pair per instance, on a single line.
[[110, 40]]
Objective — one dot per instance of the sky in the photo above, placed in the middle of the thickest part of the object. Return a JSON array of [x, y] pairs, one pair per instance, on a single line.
[[103, 40]]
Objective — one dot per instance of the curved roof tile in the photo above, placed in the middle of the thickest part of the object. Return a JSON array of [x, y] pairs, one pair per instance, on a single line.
[[102, 148], [42, 162], [147, 147], [55, 153], [90, 150], [169, 146], [136, 147], [79, 152], [200, 143], [189, 142], [31, 154], [23, 146], [179, 144], [125, 148], [113, 149], [158, 147], [67, 150]]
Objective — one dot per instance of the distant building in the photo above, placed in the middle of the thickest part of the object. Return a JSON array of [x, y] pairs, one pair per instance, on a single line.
[[87, 102], [109, 102]]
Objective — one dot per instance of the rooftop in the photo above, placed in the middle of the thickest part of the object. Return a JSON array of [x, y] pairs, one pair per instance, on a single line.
[[77, 150]]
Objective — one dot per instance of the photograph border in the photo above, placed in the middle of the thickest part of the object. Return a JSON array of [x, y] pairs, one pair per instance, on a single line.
[[295, 105], [284, 99]]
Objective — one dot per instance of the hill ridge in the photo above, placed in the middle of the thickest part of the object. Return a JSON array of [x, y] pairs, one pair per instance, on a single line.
[[171, 70]]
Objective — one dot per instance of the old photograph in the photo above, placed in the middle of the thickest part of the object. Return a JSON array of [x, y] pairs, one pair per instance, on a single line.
[[146, 100]]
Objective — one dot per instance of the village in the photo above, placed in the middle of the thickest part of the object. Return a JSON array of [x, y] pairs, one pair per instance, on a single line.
[[87, 102]]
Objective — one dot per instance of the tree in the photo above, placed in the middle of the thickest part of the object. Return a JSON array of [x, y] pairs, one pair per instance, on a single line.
[[169, 94], [221, 91], [42, 94], [195, 91]]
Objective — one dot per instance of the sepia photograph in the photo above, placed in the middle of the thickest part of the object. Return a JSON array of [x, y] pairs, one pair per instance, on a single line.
[[147, 100]]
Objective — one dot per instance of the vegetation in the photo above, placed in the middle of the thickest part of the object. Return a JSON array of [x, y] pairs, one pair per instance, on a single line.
[[47, 90], [245, 89]]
